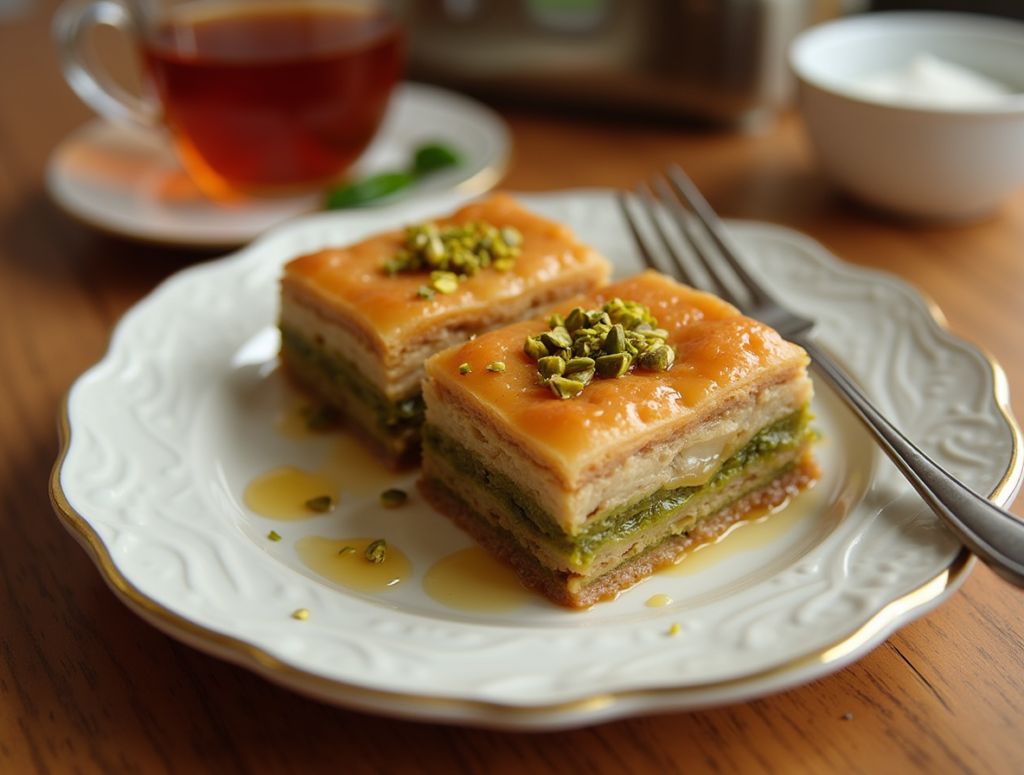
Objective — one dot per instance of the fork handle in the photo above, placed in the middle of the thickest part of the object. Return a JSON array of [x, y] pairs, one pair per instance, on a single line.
[[995, 535]]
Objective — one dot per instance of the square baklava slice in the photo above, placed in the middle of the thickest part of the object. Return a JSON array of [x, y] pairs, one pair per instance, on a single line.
[[593, 446], [358, 322]]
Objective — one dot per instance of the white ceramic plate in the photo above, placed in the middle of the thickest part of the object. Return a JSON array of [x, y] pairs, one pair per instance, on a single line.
[[166, 432], [128, 182]]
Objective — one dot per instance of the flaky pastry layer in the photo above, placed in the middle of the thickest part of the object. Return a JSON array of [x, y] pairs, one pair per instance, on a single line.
[[620, 438], [345, 299]]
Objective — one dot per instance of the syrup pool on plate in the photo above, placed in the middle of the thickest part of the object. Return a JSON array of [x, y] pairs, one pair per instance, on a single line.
[[468, 580], [344, 561], [658, 601], [474, 580], [756, 530], [283, 491]]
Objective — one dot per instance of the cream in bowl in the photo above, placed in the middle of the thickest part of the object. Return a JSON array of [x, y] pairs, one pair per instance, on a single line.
[[916, 113]]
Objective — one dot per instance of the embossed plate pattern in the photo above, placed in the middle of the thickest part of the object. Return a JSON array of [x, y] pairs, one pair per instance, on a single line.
[[163, 435]]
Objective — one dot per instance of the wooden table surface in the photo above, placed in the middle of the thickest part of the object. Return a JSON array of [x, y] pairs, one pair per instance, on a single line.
[[88, 687]]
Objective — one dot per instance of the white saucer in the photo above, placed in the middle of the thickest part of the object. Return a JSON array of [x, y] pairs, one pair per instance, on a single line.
[[127, 181]]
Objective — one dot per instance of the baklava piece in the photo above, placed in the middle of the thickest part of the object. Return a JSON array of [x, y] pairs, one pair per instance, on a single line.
[[592, 447], [358, 322]]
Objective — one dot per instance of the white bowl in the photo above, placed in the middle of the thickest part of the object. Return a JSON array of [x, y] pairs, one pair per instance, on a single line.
[[921, 159]]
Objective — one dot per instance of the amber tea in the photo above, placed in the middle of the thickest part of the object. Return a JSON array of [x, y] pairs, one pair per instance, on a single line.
[[275, 98]]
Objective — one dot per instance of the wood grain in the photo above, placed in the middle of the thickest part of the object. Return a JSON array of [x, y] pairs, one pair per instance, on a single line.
[[88, 687]]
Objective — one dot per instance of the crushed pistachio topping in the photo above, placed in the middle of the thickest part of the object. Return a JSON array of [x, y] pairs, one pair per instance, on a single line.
[[606, 342], [377, 551], [497, 366], [273, 535], [301, 613], [454, 253], [465, 368], [346, 550], [320, 504], [393, 498]]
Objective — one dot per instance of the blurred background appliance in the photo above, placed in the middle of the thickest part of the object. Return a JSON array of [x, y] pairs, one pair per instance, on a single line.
[[716, 61], [1010, 8]]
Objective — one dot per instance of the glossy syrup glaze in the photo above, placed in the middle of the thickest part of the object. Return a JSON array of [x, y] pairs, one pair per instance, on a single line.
[[352, 279], [719, 353]]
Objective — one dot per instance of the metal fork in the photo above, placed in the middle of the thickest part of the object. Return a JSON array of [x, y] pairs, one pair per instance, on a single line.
[[995, 535]]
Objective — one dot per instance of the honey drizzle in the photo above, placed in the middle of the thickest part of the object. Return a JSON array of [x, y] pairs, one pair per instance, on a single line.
[[342, 560], [759, 528], [474, 580], [282, 492]]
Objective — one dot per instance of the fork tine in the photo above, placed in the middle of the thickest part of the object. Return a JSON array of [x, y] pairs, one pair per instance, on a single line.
[[655, 240], [661, 243], [651, 208], [684, 223], [638, 237], [651, 247], [714, 228]]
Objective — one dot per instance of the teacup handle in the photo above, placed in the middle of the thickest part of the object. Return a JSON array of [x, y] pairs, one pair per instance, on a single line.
[[83, 71]]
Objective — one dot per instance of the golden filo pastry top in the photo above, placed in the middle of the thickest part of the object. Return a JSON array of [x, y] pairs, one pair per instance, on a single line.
[[350, 280], [722, 356]]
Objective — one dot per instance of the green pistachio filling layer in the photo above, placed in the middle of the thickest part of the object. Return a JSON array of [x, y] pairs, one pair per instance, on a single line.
[[622, 523], [392, 416]]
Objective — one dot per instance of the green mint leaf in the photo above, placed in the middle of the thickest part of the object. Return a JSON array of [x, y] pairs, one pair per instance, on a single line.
[[430, 158], [368, 190]]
